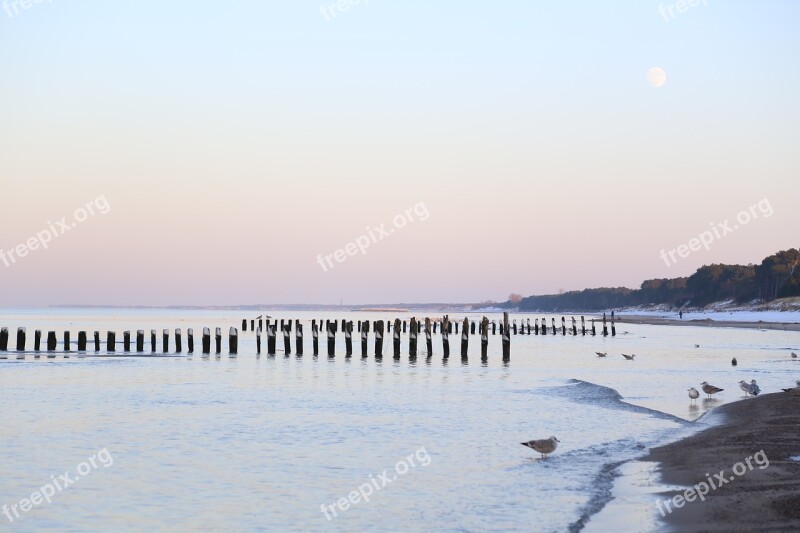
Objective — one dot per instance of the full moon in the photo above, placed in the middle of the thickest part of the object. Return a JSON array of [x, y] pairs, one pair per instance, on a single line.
[[656, 77]]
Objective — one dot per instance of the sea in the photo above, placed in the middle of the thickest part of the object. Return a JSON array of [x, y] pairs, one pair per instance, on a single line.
[[258, 442]]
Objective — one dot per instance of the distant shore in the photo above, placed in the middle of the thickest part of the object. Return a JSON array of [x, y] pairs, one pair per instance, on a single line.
[[706, 322], [765, 497]]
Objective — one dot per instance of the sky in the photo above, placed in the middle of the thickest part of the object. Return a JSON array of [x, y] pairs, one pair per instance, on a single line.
[[222, 153]]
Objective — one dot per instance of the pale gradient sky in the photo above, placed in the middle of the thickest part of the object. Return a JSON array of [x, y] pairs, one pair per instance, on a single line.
[[236, 141]]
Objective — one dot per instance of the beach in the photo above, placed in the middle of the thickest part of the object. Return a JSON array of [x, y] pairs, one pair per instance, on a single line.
[[707, 322], [766, 496]]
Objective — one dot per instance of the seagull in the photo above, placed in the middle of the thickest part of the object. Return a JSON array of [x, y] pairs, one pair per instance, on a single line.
[[795, 391], [710, 389], [794, 355], [754, 388], [694, 394], [745, 386], [734, 362], [601, 354], [629, 357], [543, 446], [696, 345]]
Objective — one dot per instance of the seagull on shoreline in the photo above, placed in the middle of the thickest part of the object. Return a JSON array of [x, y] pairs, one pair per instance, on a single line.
[[794, 355], [710, 389], [754, 388], [794, 391], [693, 394], [601, 354], [629, 357], [734, 362], [696, 345], [543, 446], [749, 389]]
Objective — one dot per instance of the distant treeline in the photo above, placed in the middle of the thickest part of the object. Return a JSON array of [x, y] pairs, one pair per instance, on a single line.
[[778, 276]]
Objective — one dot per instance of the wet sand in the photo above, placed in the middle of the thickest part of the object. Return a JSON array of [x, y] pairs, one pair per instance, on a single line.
[[706, 322], [760, 499]]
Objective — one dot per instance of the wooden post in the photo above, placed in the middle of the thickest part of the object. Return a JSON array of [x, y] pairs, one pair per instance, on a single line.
[[81, 341], [605, 327], [66, 341], [455, 324], [529, 325], [583, 326], [404, 326], [252, 325], [233, 341], [165, 341], [536, 326], [287, 341], [464, 339], [190, 339], [412, 338], [51, 341], [298, 339], [364, 338], [574, 327], [563, 326], [446, 337], [472, 328], [396, 334], [3, 339], [379, 325], [218, 341], [315, 337], [494, 327], [428, 338], [96, 341], [258, 341], [348, 339], [140, 341], [331, 340], [37, 340], [261, 323], [111, 341], [484, 338], [244, 324], [178, 343], [613, 327], [206, 341], [126, 341], [20, 339], [271, 338], [553, 321], [506, 339], [594, 332], [153, 341]]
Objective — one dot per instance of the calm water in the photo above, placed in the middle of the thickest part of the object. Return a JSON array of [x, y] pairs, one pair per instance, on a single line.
[[261, 443]]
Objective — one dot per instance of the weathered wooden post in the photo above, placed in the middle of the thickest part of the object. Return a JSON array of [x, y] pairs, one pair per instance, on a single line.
[[563, 326], [298, 338], [605, 327], [364, 338], [379, 325], [244, 324], [446, 336], [529, 325], [287, 341], [583, 326], [484, 338], [553, 321], [494, 327], [506, 339], [126, 341], [140, 340], [20, 339], [153, 341], [178, 343], [412, 338], [165, 341], [81, 341], [190, 339], [218, 341], [428, 338], [574, 327], [348, 339], [206, 341], [331, 340], [464, 339], [514, 326], [233, 341], [404, 326], [315, 337], [258, 341], [536, 326], [111, 341], [252, 325], [472, 328], [271, 338], [96, 341], [37, 340], [396, 337], [613, 327], [594, 332], [66, 341], [261, 323], [3, 339], [51, 341], [455, 324]]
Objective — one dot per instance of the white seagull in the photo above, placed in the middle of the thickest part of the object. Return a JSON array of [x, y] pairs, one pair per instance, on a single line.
[[693, 394], [543, 446], [745, 386]]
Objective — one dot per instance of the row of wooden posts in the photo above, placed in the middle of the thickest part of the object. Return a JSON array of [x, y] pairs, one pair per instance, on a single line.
[[111, 341], [415, 328]]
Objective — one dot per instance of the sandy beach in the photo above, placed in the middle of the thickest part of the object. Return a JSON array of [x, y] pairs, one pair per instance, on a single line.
[[706, 322], [765, 497]]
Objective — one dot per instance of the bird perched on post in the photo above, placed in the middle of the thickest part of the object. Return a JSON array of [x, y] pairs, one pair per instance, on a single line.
[[543, 446], [710, 389]]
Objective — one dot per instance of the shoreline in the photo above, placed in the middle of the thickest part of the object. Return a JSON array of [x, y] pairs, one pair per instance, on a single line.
[[759, 499], [706, 322]]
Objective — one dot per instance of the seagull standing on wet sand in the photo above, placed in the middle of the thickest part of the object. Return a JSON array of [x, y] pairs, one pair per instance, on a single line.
[[601, 354], [693, 394], [710, 389], [629, 357], [754, 388], [745, 386], [543, 446], [795, 391]]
